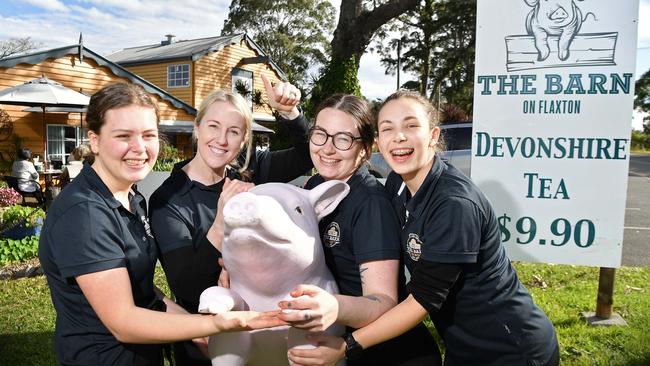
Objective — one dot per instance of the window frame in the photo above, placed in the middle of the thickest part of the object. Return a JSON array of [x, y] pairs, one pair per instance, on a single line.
[[80, 137], [246, 76], [176, 77]]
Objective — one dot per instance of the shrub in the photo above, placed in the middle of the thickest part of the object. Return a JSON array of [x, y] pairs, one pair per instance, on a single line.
[[9, 197], [167, 157], [12, 251], [21, 215], [339, 76], [640, 141]]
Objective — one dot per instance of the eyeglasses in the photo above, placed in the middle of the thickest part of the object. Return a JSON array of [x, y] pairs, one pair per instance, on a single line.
[[341, 140]]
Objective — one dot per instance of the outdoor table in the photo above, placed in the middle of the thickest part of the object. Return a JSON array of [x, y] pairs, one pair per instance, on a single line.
[[48, 175], [50, 191]]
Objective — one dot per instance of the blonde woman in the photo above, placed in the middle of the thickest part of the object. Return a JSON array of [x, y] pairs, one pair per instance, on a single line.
[[186, 208]]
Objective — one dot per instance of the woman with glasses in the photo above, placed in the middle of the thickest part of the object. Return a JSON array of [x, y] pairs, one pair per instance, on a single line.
[[361, 243], [186, 209], [460, 274]]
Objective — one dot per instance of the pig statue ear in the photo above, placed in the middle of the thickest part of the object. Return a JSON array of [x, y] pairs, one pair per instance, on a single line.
[[327, 195]]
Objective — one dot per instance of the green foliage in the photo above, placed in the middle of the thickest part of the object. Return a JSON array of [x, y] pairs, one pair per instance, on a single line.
[[13, 251], [340, 76], [642, 98], [640, 141], [8, 155], [27, 316], [27, 321], [21, 215], [293, 33], [167, 157], [563, 292], [438, 44]]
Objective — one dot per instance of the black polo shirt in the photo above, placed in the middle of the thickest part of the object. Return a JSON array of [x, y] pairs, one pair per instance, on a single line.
[[182, 211], [488, 318], [361, 229], [87, 230]]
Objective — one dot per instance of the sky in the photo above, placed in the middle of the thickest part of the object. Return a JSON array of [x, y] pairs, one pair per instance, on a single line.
[[110, 25]]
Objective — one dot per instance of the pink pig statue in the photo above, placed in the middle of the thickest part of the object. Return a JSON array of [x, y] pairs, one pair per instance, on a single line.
[[272, 244]]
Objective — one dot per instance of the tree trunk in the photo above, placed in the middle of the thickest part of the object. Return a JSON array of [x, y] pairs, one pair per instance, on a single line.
[[356, 26]]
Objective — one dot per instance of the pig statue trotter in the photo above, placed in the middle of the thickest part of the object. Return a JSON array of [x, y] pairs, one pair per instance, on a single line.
[[560, 18], [272, 244]]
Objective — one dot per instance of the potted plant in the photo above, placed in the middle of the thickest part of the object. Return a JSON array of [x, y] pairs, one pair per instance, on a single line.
[[21, 221]]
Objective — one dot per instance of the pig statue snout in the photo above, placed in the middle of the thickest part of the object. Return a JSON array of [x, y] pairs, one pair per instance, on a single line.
[[245, 211]]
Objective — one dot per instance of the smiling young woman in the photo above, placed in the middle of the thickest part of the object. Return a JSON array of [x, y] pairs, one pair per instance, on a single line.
[[186, 210], [361, 244], [99, 255], [460, 274]]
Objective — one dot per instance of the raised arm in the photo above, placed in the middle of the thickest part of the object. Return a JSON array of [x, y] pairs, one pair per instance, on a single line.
[[287, 164]]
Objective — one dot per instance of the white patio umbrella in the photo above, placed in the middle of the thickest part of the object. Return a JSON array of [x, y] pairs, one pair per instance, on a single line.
[[43, 92], [80, 110]]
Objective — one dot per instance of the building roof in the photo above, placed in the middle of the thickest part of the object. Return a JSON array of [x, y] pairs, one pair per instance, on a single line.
[[184, 50], [82, 51]]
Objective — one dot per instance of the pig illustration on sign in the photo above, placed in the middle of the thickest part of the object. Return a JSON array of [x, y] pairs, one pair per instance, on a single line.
[[560, 18], [272, 244]]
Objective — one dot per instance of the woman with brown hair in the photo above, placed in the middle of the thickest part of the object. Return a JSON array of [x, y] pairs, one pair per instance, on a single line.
[[99, 255], [361, 243]]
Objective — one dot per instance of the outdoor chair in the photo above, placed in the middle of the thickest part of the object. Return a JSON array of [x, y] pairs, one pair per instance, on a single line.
[[12, 182]]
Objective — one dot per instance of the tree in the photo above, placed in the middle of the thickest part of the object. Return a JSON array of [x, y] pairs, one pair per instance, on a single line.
[[14, 46], [294, 33], [642, 98], [439, 43], [358, 22]]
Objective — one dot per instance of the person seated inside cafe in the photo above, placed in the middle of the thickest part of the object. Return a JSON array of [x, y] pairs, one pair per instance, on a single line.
[[24, 170], [80, 155]]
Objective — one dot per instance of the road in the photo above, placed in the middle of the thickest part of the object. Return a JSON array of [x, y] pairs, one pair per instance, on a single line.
[[636, 237]]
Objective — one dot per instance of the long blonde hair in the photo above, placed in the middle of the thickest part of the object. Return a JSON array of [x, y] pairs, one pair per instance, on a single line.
[[240, 104]]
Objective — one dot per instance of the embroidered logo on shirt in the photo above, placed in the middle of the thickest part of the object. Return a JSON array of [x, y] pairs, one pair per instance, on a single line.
[[332, 236], [414, 247]]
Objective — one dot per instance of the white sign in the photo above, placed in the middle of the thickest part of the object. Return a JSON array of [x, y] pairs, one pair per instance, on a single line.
[[553, 94]]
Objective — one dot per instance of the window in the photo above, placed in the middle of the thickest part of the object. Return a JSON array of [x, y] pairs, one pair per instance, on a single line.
[[61, 140], [178, 76], [242, 83]]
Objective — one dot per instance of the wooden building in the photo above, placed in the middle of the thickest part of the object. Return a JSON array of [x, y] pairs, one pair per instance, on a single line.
[[77, 68], [191, 69], [179, 75]]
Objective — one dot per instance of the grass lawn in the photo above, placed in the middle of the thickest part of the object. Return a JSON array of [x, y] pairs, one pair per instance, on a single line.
[[27, 316]]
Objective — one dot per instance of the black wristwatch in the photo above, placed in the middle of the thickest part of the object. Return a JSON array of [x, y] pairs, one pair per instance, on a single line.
[[353, 350]]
